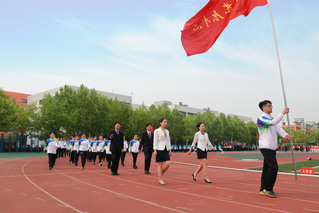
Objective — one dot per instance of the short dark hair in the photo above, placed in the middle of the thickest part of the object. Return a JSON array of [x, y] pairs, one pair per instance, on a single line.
[[117, 123], [148, 125], [198, 125], [161, 120], [263, 103]]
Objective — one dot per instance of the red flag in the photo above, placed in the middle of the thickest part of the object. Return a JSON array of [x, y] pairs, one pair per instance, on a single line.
[[257, 136], [203, 29]]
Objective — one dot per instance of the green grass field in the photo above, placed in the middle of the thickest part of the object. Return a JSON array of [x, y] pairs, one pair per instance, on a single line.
[[22, 154], [259, 156], [289, 167]]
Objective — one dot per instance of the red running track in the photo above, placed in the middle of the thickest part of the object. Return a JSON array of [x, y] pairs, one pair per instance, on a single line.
[[27, 185]]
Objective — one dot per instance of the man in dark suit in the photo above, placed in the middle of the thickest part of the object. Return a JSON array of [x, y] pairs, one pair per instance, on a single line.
[[147, 144], [116, 137]]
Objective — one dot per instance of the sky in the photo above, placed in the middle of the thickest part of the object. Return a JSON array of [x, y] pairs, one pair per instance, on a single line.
[[134, 48]]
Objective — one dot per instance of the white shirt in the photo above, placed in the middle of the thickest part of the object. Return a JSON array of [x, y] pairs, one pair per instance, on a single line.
[[94, 147], [84, 145], [161, 141], [269, 129], [107, 148], [135, 146], [100, 146], [51, 146], [76, 146], [125, 146], [202, 141]]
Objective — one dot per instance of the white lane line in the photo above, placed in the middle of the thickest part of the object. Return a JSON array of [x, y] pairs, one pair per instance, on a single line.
[[47, 193], [270, 204], [243, 170], [121, 195], [185, 208], [197, 195], [312, 210]]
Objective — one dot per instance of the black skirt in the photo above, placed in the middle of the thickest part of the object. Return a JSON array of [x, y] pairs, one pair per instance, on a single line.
[[162, 156], [201, 154]]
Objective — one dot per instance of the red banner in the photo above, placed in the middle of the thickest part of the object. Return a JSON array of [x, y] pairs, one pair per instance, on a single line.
[[307, 171], [203, 29]]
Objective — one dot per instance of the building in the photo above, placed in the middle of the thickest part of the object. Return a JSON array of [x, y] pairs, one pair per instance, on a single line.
[[37, 98], [19, 98], [311, 125]]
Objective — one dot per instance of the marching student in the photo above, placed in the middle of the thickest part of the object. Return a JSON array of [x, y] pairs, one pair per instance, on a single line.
[[83, 149], [69, 148], [99, 149], [116, 147], [134, 145], [94, 149], [75, 150], [89, 154], [125, 149], [269, 129], [162, 149], [107, 145], [146, 143], [202, 140], [51, 147]]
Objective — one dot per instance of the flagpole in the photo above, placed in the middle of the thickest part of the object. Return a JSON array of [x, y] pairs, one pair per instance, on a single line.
[[282, 85]]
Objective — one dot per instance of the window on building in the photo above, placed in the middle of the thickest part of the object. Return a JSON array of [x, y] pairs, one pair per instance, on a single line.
[[24, 101]]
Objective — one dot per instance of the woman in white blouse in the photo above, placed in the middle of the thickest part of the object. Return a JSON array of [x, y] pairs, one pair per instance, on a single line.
[[202, 140], [162, 149]]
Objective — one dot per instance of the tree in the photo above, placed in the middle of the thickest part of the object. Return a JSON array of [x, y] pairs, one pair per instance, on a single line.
[[8, 112]]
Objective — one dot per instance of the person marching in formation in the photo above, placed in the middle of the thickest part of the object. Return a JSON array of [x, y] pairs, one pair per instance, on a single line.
[[99, 149], [146, 143], [269, 129], [125, 149], [162, 149], [51, 147], [116, 137], [134, 145], [93, 149], [69, 148], [83, 149], [108, 153], [202, 140]]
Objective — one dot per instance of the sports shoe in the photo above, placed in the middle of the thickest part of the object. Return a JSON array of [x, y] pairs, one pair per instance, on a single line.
[[262, 192], [270, 193]]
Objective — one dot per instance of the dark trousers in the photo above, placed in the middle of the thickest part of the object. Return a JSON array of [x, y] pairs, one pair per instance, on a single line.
[[58, 153], [270, 169], [123, 154], [100, 154], [76, 157], [71, 156], [116, 155], [83, 155], [148, 158], [109, 160], [52, 158], [94, 156], [134, 155]]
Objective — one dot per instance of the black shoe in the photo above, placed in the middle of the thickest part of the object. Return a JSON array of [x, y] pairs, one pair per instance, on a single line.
[[76, 164], [147, 172], [122, 164], [270, 193], [135, 167], [194, 177], [50, 168], [113, 173], [207, 181]]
